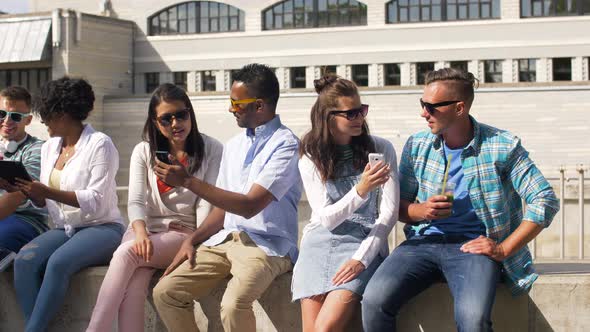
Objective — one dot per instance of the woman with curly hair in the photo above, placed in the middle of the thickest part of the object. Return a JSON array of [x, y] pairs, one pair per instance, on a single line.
[[77, 185], [161, 216], [354, 206]]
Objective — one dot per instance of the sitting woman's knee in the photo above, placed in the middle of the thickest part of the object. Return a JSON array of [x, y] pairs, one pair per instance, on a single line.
[[27, 258]]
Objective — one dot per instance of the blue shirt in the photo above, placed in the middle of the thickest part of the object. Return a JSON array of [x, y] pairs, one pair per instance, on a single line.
[[267, 156], [463, 220], [499, 174]]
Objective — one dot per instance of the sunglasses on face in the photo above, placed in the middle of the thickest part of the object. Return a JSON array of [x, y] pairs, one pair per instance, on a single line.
[[181, 115], [431, 108], [352, 114], [14, 116], [235, 104]]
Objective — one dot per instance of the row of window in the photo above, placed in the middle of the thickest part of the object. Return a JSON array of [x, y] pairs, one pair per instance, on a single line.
[[31, 79], [211, 16], [492, 73]]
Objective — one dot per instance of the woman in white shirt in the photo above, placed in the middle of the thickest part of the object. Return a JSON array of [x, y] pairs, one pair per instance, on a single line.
[[77, 184], [346, 238], [161, 216]]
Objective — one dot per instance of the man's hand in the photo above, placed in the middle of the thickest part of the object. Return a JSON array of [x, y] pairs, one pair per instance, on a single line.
[[347, 272], [35, 190], [436, 207], [6, 186], [186, 251], [485, 246], [175, 175]]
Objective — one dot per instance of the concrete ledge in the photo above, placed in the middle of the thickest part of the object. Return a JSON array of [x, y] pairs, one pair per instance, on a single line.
[[557, 302]]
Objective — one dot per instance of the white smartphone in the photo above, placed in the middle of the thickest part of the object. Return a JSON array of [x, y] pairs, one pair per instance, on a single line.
[[374, 158]]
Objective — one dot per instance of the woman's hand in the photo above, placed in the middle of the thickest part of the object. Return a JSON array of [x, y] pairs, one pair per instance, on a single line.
[[372, 178], [347, 272], [35, 190], [7, 186], [143, 245]]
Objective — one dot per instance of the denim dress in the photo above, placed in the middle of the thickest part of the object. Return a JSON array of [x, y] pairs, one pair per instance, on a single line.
[[323, 251]]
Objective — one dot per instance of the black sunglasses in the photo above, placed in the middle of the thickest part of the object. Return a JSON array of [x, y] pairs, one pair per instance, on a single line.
[[14, 116], [352, 114], [431, 108], [181, 115]]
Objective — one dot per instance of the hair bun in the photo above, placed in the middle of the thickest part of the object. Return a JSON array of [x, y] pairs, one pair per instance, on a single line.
[[324, 81]]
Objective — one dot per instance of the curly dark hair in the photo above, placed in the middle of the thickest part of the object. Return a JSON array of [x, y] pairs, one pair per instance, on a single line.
[[71, 96], [318, 143]]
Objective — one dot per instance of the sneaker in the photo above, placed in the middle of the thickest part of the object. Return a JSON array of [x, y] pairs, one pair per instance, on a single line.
[[6, 258]]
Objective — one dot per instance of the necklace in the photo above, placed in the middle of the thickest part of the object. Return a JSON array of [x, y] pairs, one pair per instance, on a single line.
[[66, 155]]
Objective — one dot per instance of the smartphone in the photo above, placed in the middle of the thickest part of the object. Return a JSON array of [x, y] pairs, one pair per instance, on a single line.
[[374, 158], [163, 157]]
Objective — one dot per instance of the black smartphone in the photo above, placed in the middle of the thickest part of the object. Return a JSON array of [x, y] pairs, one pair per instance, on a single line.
[[163, 157]]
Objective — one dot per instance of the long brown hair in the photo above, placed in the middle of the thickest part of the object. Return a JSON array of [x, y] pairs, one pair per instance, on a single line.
[[195, 146], [318, 144]]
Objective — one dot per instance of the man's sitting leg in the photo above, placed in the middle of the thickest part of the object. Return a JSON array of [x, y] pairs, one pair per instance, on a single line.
[[15, 233], [174, 295], [252, 272], [472, 280], [410, 269]]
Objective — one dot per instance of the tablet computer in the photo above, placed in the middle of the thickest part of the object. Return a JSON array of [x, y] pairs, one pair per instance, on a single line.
[[9, 170]]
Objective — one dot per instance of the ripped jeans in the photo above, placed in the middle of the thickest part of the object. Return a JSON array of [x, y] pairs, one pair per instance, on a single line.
[[43, 268], [419, 262]]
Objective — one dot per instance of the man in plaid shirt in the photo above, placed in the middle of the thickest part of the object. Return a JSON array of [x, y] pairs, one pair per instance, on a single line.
[[478, 235]]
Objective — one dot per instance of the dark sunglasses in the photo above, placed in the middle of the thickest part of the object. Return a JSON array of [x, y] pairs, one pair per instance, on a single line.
[[181, 115], [14, 116], [354, 113], [431, 108]]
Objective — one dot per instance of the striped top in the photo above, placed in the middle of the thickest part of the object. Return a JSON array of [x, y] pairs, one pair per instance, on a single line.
[[498, 173], [29, 153]]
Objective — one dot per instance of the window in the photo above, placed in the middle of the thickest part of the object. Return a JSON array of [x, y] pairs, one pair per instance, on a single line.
[[297, 77], [208, 81], [301, 14], [492, 71], [196, 17], [152, 81], [328, 70], [180, 79], [392, 74], [460, 65], [31, 79], [544, 8], [360, 74], [562, 69], [527, 70], [403, 11], [423, 68]]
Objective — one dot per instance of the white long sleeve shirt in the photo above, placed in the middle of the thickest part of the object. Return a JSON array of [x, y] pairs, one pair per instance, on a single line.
[[90, 173], [179, 205], [331, 215]]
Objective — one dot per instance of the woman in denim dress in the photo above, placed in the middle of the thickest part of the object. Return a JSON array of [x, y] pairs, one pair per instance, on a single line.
[[354, 207]]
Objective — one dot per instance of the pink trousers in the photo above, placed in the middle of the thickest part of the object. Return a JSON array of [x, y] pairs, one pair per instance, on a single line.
[[125, 286]]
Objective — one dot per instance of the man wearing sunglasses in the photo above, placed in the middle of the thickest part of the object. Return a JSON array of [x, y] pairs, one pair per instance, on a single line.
[[251, 233], [20, 221], [478, 236]]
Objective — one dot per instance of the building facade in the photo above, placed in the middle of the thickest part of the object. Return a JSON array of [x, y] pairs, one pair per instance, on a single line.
[[530, 56]]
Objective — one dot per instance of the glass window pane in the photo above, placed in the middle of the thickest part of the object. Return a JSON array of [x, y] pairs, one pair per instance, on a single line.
[[3, 79], [392, 74], [423, 68], [436, 13], [473, 10], [182, 11], [268, 20], [192, 10], [496, 8], [360, 74], [525, 8], [298, 77], [451, 12], [224, 23], [562, 69]]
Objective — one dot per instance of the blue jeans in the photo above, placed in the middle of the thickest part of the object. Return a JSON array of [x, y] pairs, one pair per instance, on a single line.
[[15, 233], [421, 261], [43, 268]]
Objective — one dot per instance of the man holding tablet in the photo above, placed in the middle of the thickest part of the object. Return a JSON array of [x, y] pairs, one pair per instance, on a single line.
[[20, 221]]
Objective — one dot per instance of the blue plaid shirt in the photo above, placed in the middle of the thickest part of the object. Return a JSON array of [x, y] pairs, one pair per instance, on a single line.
[[498, 172]]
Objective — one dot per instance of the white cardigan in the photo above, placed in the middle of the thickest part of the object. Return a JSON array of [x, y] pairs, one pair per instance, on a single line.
[[328, 215], [179, 205], [90, 173]]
